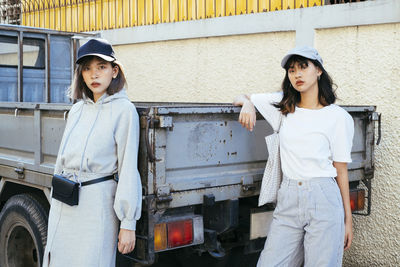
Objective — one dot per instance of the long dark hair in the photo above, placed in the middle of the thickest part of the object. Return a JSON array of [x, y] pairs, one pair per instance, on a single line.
[[326, 93], [79, 88]]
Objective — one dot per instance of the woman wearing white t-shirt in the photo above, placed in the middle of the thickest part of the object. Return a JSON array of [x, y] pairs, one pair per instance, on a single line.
[[312, 221]]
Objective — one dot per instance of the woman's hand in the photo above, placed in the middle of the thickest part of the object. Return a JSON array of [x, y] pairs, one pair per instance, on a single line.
[[126, 240], [348, 233], [247, 117]]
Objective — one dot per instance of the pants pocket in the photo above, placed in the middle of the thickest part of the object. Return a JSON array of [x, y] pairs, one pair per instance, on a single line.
[[282, 191], [331, 193]]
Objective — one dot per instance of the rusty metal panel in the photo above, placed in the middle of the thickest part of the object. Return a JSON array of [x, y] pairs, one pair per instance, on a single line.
[[203, 149], [199, 149], [218, 151]]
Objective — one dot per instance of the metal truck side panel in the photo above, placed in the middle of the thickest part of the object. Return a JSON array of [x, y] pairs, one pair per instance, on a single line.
[[199, 150]]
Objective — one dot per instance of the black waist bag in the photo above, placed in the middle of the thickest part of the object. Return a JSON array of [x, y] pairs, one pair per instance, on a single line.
[[65, 190]]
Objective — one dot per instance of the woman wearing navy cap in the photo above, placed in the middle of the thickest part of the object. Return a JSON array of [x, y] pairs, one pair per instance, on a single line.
[[312, 221], [99, 150]]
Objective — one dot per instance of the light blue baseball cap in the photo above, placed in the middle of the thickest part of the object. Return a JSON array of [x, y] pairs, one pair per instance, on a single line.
[[304, 51]]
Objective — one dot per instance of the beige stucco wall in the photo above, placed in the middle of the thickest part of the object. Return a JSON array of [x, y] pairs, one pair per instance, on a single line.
[[204, 69], [364, 64]]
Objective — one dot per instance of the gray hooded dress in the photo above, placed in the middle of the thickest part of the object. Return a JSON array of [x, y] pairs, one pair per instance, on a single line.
[[99, 139]]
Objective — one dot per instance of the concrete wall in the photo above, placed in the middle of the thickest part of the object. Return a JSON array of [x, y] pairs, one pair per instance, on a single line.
[[364, 63], [204, 70], [360, 45]]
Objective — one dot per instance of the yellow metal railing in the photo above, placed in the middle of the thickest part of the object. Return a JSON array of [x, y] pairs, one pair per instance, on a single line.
[[91, 15]]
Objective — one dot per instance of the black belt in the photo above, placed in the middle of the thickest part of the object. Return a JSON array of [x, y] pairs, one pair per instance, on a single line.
[[102, 179]]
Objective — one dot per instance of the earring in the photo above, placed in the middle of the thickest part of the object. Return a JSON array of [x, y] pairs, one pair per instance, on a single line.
[[319, 77]]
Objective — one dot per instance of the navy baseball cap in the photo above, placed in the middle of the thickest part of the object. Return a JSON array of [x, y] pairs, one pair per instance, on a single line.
[[96, 47], [304, 51]]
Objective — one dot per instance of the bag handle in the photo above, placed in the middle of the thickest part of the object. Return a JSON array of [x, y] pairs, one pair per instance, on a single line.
[[280, 122]]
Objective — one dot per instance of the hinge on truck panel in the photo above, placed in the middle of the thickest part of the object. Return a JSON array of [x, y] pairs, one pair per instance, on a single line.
[[375, 116], [163, 194], [20, 171], [150, 122], [164, 121], [248, 184]]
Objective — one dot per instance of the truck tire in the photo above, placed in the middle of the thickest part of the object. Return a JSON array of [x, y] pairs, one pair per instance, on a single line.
[[23, 231]]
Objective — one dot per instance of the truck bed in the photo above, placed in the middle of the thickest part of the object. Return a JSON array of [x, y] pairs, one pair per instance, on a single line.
[[187, 150]]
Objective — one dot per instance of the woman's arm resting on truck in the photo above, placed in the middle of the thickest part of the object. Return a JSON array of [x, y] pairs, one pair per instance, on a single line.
[[343, 183], [247, 117]]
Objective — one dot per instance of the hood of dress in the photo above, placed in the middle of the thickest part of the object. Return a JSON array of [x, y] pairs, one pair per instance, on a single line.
[[106, 98], [91, 109]]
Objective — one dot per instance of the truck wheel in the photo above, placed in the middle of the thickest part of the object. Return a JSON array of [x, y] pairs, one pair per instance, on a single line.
[[23, 231]]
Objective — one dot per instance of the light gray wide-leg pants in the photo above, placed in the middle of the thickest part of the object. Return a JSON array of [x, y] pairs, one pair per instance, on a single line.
[[307, 227]]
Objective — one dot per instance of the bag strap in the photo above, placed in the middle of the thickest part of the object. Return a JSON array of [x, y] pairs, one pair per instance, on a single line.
[[280, 122], [102, 179]]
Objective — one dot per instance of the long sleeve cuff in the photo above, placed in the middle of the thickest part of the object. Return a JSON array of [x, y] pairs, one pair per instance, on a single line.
[[128, 224]]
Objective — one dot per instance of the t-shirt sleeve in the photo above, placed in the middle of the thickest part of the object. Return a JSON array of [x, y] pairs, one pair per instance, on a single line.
[[264, 105], [342, 138]]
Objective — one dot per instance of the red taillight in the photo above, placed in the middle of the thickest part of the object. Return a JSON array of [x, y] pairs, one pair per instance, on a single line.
[[357, 199], [173, 234], [180, 233]]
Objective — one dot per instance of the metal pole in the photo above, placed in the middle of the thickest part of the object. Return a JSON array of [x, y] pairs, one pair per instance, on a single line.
[[20, 95], [47, 68]]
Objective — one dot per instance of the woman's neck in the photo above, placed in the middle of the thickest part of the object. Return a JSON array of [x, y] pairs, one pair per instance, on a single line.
[[97, 96], [309, 99]]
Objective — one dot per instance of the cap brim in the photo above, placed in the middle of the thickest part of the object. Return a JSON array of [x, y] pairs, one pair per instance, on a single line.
[[106, 58], [305, 54], [286, 58]]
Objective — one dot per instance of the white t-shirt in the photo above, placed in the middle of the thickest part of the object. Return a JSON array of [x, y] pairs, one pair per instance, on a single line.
[[310, 140]]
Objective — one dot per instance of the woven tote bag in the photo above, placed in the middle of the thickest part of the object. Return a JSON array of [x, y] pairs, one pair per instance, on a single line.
[[272, 177]]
